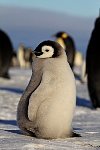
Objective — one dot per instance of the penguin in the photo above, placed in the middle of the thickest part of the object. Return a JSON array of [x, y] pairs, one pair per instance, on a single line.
[[83, 75], [28, 57], [93, 65], [24, 56], [14, 60], [20, 56], [46, 107], [80, 67], [6, 53], [78, 59], [67, 42]]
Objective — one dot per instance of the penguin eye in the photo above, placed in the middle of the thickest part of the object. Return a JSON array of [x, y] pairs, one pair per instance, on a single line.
[[47, 50]]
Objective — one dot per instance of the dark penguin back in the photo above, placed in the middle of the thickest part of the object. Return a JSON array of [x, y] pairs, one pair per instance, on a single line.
[[93, 65], [6, 52], [70, 50], [93, 50]]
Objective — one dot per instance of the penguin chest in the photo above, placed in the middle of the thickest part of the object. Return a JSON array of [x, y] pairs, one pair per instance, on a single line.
[[54, 99]]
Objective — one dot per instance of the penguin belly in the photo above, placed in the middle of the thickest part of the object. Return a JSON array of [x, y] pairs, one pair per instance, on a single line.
[[51, 106]]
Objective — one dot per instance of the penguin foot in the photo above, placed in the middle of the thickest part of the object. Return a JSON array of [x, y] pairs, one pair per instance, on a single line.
[[75, 134], [28, 132], [95, 106], [6, 75]]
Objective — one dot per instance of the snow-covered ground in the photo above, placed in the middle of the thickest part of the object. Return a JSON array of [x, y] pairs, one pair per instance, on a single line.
[[86, 121]]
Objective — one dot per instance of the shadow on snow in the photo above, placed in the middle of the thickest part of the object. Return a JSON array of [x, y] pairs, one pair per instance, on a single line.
[[11, 122], [14, 131], [12, 89], [83, 102], [8, 122]]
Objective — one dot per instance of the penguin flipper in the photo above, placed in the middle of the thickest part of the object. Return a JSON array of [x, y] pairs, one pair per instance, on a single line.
[[23, 121], [27, 127]]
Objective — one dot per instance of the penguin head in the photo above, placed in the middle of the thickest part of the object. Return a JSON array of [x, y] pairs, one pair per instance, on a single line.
[[61, 34], [97, 22], [48, 49]]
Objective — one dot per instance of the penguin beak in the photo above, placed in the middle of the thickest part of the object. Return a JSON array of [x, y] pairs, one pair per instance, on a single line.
[[37, 53]]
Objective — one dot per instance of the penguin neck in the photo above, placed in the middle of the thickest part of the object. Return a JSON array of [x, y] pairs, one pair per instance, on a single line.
[[52, 63], [61, 42], [37, 64], [65, 41]]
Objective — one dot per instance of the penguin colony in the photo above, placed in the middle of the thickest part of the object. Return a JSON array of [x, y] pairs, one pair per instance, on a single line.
[[93, 65], [67, 42], [46, 108], [6, 53]]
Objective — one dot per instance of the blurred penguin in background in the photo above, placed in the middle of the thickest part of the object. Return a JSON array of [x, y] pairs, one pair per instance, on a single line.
[[78, 59], [67, 42], [24, 56], [83, 75], [6, 53], [93, 65], [14, 61], [80, 66]]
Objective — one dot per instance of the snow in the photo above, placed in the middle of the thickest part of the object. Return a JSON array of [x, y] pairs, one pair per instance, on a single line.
[[86, 120]]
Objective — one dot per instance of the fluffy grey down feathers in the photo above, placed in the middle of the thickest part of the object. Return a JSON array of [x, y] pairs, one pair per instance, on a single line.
[[52, 100]]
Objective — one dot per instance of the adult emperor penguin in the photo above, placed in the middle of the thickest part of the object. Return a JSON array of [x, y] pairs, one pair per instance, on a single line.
[[67, 42], [93, 65], [6, 53], [46, 108]]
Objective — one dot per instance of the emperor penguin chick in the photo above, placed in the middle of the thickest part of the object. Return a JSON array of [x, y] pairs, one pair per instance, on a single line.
[[49, 105]]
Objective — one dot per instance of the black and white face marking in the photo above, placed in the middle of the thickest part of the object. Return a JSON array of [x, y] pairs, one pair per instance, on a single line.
[[46, 52], [48, 49]]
